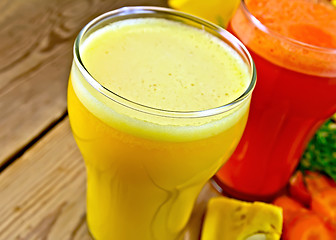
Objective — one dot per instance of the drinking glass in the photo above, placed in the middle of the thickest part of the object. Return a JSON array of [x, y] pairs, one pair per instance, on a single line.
[[295, 94], [146, 166]]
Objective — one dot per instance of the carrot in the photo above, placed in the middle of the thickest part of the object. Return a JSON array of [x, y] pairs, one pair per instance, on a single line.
[[324, 204], [308, 226], [316, 192], [317, 182], [290, 207], [298, 189]]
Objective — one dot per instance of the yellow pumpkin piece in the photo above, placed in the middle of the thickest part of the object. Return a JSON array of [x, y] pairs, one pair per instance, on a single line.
[[216, 11], [231, 219]]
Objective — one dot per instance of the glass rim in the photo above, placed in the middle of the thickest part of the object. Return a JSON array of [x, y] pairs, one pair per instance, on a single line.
[[124, 11], [258, 24]]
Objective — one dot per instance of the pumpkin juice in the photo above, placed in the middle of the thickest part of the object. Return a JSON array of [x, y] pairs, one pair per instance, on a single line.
[[145, 170]]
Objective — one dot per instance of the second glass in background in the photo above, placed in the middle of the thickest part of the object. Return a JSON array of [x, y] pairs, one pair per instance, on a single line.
[[295, 94]]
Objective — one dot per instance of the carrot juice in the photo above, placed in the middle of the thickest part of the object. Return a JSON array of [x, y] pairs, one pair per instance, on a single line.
[[293, 43], [157, 100]]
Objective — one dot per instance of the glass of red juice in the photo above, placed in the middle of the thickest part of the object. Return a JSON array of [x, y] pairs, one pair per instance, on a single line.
[[293, 44]]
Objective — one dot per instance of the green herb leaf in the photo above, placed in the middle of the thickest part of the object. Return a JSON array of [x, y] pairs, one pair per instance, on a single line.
[[320, 154]]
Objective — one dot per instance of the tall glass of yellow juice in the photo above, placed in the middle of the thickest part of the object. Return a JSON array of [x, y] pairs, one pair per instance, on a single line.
[[157, 101]]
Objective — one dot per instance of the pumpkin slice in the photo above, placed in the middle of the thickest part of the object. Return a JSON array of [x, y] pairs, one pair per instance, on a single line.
[[228, 219]]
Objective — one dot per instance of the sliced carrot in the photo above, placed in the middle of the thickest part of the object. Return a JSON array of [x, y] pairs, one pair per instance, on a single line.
[[291, 208], [298, 189], [308, 226], [324, 203], [317, 182], [317, 192]]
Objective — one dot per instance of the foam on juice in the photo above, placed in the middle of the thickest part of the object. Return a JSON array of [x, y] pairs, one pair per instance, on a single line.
[[165, 65], [309, 21], [303, 36]]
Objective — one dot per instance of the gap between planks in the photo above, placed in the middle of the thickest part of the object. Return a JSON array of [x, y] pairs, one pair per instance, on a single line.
[[30, 144], [42, 193]]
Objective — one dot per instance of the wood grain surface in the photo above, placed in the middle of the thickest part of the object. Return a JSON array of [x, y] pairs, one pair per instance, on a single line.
[[43, 193], [36, 38]]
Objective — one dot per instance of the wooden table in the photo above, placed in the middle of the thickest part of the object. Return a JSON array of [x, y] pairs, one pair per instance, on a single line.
[[42, 175]]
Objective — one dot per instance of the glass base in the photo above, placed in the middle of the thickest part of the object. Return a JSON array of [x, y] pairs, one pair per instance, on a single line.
[[230, 192]]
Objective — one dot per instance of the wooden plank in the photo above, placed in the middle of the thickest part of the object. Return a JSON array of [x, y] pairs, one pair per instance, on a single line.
[[42, 194], [36, 38]]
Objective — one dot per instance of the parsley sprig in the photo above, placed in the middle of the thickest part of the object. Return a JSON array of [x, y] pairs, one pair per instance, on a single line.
[[320, 154]]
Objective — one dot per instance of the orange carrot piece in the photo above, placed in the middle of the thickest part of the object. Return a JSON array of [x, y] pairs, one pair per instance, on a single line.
[[324, 203], [308, 226], [317, 182], [291, 208]]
